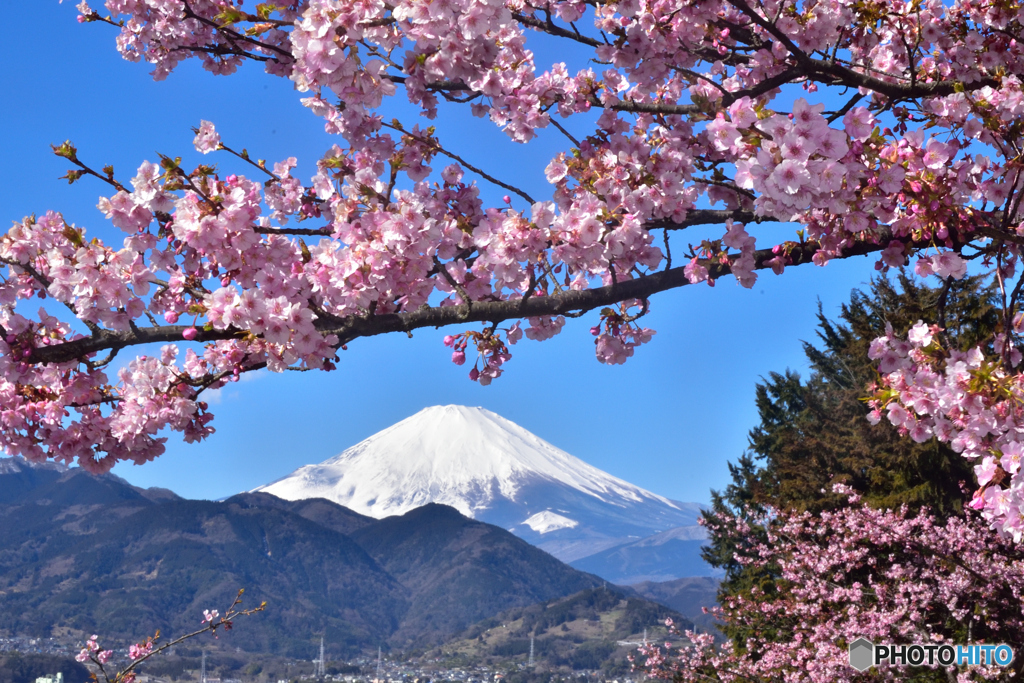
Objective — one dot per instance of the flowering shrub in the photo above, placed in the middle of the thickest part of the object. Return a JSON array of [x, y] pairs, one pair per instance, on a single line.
[[709, 115], [884, 575]]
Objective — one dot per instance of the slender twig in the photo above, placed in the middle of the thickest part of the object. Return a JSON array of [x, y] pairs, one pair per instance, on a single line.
[[857, 97], [225, 621], [480, 172], [244, 156], [45, 282], [551, 28], [68, 151], [566, 133], [443, 269]]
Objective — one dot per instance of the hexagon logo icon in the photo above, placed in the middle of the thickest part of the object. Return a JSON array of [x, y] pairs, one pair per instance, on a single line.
[[862, 653]]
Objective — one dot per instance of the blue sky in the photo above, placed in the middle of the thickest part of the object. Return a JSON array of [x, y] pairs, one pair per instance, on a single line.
[[668, 420]]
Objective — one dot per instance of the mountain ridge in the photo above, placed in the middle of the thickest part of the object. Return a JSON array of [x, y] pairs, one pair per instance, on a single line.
[[93, 554], [665, 556]]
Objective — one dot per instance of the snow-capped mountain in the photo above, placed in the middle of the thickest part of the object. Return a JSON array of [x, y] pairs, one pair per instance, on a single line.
[[495, 471]]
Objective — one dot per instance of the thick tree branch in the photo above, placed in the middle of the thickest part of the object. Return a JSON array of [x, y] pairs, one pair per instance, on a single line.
[[311, 232], [437, 86], [709, 217], [569, 301], [355, 327], [652, 107]]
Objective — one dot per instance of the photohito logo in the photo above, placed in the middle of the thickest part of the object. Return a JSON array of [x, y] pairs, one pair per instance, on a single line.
[[864, 654]]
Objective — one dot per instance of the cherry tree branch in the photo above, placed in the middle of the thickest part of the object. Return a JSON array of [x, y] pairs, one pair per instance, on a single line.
[[355, 327], [233, 36], [842, 75]]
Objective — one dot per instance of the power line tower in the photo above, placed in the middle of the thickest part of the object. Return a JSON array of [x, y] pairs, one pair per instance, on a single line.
[[202, 672], [531, 651], [379, 679], [320, 662]]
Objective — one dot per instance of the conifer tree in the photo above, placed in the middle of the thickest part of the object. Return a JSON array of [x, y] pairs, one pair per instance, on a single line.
[[814, 434]]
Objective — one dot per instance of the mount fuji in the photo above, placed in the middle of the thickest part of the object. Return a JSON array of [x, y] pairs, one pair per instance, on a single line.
[[493, 470]]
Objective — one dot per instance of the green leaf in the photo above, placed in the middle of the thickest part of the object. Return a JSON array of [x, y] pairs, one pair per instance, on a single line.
[[265, 9], [228, 16]]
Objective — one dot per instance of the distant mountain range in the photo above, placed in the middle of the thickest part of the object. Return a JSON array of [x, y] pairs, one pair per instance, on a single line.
[[495, 471], [664, 556], [96, 555]]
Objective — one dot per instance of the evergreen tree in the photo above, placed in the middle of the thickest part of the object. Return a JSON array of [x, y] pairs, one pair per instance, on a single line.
[[814, 433]]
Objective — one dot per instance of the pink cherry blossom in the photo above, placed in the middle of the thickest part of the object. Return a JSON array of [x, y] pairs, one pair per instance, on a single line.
[[920, 334], [859, 122], [207, 139], [885, 575], [949, 264], [140, 650], [678, 142]]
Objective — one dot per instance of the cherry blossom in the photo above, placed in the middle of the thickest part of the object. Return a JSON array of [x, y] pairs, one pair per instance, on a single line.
[[684, 134], [207, 139], [97, 658], [970, 399], [140, 650], [856, 572]]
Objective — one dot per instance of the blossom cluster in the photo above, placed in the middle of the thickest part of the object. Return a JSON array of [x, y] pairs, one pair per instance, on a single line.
[[968, 399], [675, 119], [140, 650], [618, 335], [493, 353], [857, 572], [92, 650]]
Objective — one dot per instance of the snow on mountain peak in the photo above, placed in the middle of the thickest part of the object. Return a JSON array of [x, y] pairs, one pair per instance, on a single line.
[[546, 521], [469, 458]]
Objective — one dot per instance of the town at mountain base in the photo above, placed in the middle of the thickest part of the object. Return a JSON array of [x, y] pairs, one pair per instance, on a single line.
[[495, 471], [81, 554]]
